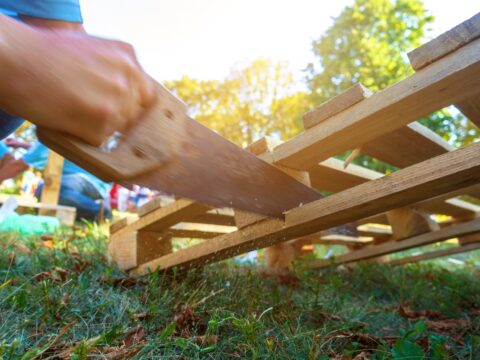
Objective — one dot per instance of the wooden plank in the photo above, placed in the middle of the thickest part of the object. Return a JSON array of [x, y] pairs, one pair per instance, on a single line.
[[330, 175], [151, 245], [435, 254], [344, 240], [468, 239], [390, 247], [120, 224], [471, 109], [213, 219], [193, 234], [348, 98], [442, 174], [446, 43], [449, 80], [163, 218], [407, 146], [407, 222], [150, 206], [52, 181]]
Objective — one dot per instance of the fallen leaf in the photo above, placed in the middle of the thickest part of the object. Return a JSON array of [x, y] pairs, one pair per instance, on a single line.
[[206, 340], [185, 320], [406, 312], [128, 282], [134, 336]]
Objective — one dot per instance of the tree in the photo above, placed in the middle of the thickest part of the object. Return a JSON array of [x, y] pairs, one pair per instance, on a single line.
[[367, 44], [256, 99]]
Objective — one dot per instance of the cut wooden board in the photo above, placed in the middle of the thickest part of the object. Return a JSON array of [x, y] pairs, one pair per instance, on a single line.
[[471, 109], [446, 43], [435, 254], [428, 179], [453, 78], [348, 98], [373, 251]]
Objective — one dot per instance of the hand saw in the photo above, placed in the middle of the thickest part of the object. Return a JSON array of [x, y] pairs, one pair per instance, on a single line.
[[171, 152]]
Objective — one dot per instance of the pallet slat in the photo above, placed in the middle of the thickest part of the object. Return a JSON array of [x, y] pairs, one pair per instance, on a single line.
[[449, 80], [441, 174]]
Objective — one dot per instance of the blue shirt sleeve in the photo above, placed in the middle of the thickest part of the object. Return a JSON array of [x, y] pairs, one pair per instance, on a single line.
[[3, 149], [66, 10], [37, 156]]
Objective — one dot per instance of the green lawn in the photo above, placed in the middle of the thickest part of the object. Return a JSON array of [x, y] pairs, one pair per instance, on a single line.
[[67, 302]]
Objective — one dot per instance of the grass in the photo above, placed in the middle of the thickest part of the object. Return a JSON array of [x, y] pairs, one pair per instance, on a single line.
[[60, 299]]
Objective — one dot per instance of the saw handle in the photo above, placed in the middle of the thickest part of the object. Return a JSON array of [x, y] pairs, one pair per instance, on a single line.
[[148, 146]]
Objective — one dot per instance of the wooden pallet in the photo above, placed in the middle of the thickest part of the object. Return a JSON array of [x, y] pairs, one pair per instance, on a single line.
[[431, 178]]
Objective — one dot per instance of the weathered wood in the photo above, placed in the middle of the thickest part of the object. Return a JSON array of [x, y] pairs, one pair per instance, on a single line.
[[442, 174], [446, 43], [407, 222], [131, 249], [373, 251], [163, 218], [468, 239], [344, 240], [193, 234], [213, 218], [150, 144], [120, 224], [407, 146], [348, 98], [449, 80], [471, 109], [52, 182], [151, 245], [435, 254], [150, 206]]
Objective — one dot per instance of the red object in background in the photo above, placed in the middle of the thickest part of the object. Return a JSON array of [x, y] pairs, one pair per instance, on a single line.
[[16, 144], [114, 196]]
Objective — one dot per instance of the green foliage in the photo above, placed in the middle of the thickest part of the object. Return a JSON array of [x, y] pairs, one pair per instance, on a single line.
[[256, 99], [406, 349], [248, 315], [367, 43]]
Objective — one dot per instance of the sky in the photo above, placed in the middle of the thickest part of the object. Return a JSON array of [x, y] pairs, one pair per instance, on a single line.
[[205, 38]]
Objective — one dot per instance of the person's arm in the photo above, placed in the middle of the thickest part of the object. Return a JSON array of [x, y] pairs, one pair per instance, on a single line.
[[70, 82], [12, 168]]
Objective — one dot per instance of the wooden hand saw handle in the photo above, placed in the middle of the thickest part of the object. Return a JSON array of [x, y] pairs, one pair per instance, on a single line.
[[148, 146]]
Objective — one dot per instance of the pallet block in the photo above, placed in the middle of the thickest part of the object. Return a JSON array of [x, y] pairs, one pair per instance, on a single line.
[[279, 258]]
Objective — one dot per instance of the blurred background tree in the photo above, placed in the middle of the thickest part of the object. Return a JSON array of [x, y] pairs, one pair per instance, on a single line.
[[256, 99]]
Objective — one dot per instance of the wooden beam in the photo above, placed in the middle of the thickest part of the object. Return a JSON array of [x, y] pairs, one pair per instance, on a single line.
[[435, 254], [193, 234], [407, 222], [52, 181], [213, 218], [163, 218], [407, 146], [442, 174], [373, 251], [330, 175], [471, 109], [449, 80], [348, 98], [446, 43]]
